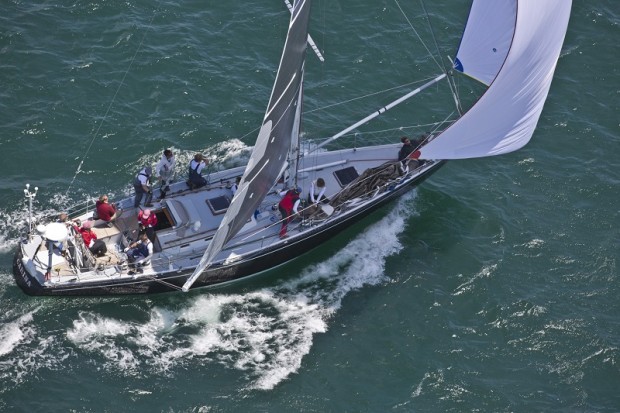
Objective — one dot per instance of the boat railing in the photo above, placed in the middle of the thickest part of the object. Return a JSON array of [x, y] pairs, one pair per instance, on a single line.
[[82, 208]]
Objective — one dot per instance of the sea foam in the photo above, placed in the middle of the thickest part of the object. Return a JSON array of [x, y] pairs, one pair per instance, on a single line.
[[265, 334]]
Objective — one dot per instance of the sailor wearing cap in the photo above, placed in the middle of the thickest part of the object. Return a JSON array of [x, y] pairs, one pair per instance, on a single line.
[[139, 254], [141, 185], [147, 222]]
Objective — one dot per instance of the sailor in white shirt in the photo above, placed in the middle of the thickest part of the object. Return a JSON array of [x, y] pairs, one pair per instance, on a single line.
[[165, 170], [317, 191]]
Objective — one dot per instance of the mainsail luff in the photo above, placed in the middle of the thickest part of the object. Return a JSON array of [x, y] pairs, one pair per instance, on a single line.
[[504, 118], [274, 139]]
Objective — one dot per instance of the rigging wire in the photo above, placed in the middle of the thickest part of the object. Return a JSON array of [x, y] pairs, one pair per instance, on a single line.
[[371, 94], [323, 17], [167, 284], [439, 65], [450, 81], [96, 134], [433, 125]]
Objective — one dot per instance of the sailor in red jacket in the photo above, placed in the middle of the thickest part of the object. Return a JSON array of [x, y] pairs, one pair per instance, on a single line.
[[96, 246], [288, 206], [147, 222]]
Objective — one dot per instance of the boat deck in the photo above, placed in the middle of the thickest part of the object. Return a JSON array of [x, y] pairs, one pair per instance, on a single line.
[[188, 219]]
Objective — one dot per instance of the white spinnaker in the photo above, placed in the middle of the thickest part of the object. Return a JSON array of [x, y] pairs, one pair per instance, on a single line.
[[504, 118], [486, 39]]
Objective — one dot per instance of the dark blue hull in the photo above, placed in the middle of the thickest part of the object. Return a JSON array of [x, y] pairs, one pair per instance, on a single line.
[[218, 274]]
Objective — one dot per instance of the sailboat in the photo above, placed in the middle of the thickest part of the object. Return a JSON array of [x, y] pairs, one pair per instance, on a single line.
[[212, 236]]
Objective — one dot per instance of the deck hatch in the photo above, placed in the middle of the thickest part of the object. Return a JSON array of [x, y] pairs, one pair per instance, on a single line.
[[219, 204], [346, 176]]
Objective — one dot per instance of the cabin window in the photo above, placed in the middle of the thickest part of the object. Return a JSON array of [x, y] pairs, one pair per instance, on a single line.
[[219, 204], [346, 176]]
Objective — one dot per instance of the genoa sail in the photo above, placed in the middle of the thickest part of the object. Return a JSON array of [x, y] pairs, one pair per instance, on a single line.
[[504, 118], [270, 154]]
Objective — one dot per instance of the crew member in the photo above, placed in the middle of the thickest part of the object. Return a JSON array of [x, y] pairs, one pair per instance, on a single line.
[[288, 206]]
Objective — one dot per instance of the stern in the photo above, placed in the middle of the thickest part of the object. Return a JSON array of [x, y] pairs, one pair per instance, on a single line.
[[22, 277]]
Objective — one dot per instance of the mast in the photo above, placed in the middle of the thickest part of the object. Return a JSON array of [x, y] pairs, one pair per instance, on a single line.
[[295, 143]]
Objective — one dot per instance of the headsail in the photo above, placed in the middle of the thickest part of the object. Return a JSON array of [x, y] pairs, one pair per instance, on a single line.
[[504, 118], [274, 139], [486, 39]]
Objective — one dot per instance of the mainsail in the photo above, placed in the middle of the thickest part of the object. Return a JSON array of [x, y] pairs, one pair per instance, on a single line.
[[270, 153], [504, 118]]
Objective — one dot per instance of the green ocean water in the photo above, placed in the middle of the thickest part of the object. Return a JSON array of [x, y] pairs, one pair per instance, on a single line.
[[493, 287]]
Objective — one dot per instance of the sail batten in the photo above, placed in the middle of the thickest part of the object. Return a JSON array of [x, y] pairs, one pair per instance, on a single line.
[[504, 118], [274, 139]]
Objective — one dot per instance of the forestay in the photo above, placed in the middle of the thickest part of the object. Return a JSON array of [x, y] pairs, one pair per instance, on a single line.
[[504, 118], [269, 156]]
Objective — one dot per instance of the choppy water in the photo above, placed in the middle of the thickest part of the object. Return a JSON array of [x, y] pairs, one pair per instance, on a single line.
[[493, 287]]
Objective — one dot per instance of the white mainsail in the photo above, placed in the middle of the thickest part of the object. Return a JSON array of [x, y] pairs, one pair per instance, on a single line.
[[504, 118], [274, 139]]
